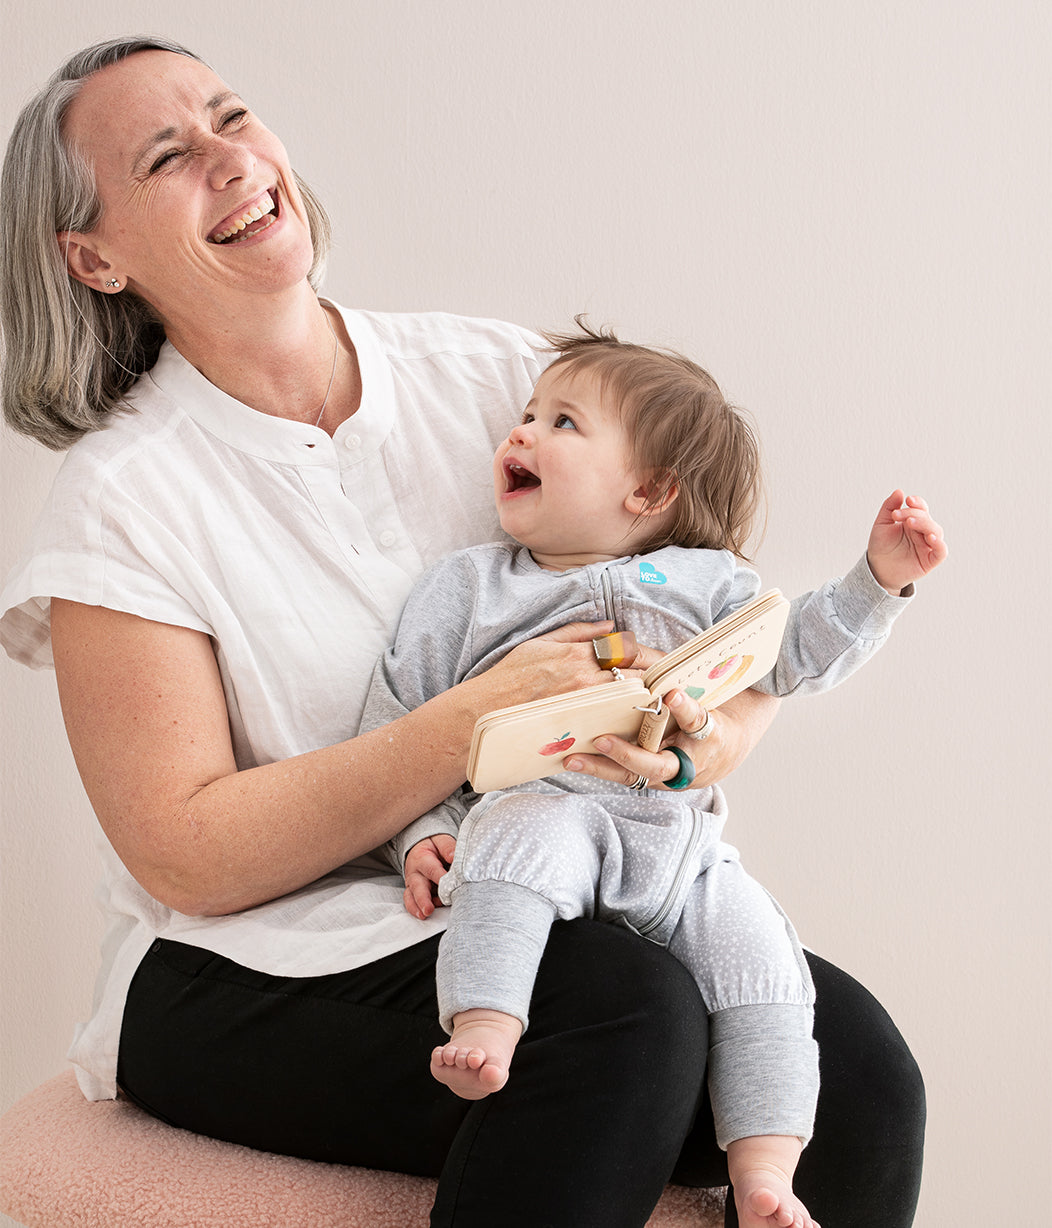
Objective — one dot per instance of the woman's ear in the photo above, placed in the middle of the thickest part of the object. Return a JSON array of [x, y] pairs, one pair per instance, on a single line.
[[654, 496], [83, 260]]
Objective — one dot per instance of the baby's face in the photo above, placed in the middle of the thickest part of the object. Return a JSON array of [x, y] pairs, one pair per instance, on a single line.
[[564, 478]]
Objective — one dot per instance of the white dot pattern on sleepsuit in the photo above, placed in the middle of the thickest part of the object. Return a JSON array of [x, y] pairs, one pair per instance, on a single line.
[[738, 944], [624, 856], [628, 857]]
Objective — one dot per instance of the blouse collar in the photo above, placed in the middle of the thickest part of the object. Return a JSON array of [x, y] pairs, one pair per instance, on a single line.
[[278, 439]]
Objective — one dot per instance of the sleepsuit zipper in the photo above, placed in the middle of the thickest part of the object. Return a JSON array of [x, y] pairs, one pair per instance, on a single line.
[[608, 596], [696, 825]]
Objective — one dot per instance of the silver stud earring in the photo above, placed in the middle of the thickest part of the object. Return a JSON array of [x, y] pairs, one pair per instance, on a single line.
[[113, 284]]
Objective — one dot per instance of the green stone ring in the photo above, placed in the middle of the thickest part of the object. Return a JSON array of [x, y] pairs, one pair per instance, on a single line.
[[686, 773]]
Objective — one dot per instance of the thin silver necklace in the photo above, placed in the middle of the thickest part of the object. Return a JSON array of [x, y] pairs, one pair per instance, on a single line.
[[332, 373]]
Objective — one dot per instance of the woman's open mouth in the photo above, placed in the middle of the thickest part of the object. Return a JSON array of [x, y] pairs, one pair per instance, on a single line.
[[257, 217]]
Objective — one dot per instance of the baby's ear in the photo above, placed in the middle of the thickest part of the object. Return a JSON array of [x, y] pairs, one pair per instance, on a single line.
[[653, 496]]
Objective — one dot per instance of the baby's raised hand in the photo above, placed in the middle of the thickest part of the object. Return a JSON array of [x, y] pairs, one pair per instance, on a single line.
[[425, 863], [905, 543]]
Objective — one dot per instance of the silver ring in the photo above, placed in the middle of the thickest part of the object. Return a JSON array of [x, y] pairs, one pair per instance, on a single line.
[[640, 782], [701, 734]]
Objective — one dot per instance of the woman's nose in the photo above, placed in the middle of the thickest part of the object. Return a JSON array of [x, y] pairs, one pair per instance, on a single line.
[[230, 162]]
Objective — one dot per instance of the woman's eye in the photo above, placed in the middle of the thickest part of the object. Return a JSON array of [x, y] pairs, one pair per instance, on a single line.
[[164, 159], [233, 119]]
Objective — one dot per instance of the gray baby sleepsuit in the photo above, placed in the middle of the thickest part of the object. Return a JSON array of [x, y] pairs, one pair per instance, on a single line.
[[572, 846]]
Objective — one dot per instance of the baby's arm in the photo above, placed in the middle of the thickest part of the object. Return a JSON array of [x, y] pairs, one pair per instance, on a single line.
[[422, 663], [835, 629], [392, 693], [905, 543]]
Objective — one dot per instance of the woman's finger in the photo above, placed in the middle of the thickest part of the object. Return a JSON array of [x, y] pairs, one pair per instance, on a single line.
[[624, 763], [688, 714], [576, 633], [646, 657]]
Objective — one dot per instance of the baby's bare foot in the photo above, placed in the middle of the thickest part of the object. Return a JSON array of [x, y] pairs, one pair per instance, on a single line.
[[765, 1199], [475, 1061], [761, 1169]]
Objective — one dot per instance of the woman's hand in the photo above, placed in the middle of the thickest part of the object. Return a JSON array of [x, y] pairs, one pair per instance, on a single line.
[[734, 729], [425, 864], [562, 660]]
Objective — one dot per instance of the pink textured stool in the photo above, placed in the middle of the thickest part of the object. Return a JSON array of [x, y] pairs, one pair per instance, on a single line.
[[69, 1163]]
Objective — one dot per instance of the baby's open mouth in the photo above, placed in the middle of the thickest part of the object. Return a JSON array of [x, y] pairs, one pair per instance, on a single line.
[[256, 217], [519, 478]]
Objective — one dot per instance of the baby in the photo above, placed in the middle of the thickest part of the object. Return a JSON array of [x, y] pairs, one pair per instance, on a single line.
[[632, 488]]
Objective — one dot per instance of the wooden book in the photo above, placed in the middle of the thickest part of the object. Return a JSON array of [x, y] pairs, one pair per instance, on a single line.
[[529, 741]]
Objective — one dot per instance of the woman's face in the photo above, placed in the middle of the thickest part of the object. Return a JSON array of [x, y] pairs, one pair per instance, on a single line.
[[199, 204]]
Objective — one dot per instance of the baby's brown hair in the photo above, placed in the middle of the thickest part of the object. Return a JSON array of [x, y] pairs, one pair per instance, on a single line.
[[683, 434]]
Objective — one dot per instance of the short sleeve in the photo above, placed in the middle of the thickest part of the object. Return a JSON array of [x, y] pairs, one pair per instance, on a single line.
[[92, 545]]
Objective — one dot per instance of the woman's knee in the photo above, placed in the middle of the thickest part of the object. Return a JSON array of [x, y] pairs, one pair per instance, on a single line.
[[871, 1110], [606, 1080], [596, 973], [865, 1059]]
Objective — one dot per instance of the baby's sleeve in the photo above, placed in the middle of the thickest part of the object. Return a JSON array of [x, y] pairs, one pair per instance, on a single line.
[[831, 632], [430, 654]]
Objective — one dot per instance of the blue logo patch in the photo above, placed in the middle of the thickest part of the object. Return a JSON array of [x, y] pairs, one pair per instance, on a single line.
[[649, 574]]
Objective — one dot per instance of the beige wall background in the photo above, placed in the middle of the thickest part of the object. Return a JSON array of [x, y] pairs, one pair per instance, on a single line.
[[843, 211]]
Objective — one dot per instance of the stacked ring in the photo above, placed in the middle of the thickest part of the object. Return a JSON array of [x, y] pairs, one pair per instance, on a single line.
[[686, 772]]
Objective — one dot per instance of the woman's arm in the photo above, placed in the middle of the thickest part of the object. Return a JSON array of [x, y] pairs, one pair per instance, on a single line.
[[146, 717]]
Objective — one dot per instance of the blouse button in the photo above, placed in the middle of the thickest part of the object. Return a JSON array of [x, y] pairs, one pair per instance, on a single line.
[[387, 538], [353, 443]]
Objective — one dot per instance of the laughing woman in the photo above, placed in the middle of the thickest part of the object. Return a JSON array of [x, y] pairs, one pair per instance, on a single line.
[[255, 477]]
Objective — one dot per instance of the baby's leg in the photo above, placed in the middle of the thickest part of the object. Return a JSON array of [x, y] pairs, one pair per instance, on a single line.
[[763, 1061], [522, 859], [487, 964]]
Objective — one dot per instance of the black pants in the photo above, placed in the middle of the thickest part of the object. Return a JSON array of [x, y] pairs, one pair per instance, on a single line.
[[599, 1112]]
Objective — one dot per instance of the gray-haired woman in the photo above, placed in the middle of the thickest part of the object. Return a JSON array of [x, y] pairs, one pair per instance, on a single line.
[[256, 476]]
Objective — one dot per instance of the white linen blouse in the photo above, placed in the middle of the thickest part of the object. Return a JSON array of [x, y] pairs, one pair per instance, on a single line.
[[294, 551]]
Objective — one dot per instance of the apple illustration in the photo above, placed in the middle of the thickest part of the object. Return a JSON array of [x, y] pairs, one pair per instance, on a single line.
[[724, 667], [559, 745]]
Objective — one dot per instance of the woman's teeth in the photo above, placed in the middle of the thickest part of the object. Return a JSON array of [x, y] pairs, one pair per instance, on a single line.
[[255, 214]]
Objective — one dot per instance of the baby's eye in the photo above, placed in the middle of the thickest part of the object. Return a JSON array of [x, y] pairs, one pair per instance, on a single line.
[[527, 417], [565, 423]]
